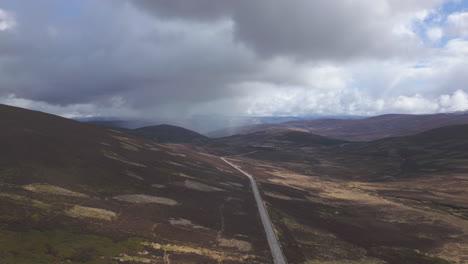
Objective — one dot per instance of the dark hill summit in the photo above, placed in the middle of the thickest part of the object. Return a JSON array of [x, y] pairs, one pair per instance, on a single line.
[[169, 134]]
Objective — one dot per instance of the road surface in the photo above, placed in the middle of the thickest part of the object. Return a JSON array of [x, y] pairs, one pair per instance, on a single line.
[[275, 248]]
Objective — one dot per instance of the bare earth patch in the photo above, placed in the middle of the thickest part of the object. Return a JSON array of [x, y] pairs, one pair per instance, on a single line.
[[143, 198], [51, 189], [175, 163], [183, 175], [90, 212], [125, 258], [128, 146], [185, 222], [235, 243], [235, 184], [220, 256], [133, 175], [198, 186], [176, 154]]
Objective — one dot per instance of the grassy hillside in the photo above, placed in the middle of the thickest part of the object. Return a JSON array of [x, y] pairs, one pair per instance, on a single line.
[[73, 193]]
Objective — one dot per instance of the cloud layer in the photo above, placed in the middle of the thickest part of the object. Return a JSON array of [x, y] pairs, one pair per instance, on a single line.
[[153, 58]]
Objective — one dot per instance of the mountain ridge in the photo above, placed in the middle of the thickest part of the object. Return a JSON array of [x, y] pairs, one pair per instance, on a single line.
[[366, 129]]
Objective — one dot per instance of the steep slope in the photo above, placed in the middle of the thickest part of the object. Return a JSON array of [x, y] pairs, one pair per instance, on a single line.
[[73, 193], [361, 129], [169, 134]]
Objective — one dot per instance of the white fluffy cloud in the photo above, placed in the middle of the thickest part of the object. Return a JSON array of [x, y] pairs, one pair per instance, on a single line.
[[458, 101], [437, 83], [458, 24], [435, 33], [7, 20]]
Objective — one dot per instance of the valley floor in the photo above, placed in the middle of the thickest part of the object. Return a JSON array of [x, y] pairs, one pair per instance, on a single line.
[[325, 220]]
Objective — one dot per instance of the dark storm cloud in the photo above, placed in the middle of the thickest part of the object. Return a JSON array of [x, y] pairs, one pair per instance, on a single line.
[[103, 50], [302, 29], [153, 56], [201, 10]]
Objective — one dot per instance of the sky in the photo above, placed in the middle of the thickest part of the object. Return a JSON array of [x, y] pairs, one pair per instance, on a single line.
[[179, 58]]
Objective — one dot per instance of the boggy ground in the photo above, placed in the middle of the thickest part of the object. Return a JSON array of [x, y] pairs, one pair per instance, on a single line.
[[72, 193]]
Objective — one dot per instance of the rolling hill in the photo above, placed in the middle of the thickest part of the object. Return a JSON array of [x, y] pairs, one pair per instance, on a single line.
[[74, 193], [267, 140], [158, 133], [366, 129], [169, 134], [393, 200]]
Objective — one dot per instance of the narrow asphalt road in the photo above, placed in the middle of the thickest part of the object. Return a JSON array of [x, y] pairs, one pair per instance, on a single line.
[[275, 248]]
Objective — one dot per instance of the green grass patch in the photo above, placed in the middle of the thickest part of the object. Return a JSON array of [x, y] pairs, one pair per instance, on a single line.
[[36, 247]]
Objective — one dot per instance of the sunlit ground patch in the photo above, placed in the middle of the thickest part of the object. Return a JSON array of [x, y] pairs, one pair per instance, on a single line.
[[235, 184], [90, 212], [235, 243], [185, 223], [143, 198], [198, 186], [133, 175], [51, 189]]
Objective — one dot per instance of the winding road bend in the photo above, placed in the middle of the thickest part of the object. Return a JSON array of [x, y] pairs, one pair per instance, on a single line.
[[275, 248]]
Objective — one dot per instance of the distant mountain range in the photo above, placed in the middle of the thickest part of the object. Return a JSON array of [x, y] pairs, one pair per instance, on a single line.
[[365, 129], [201, 123]]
